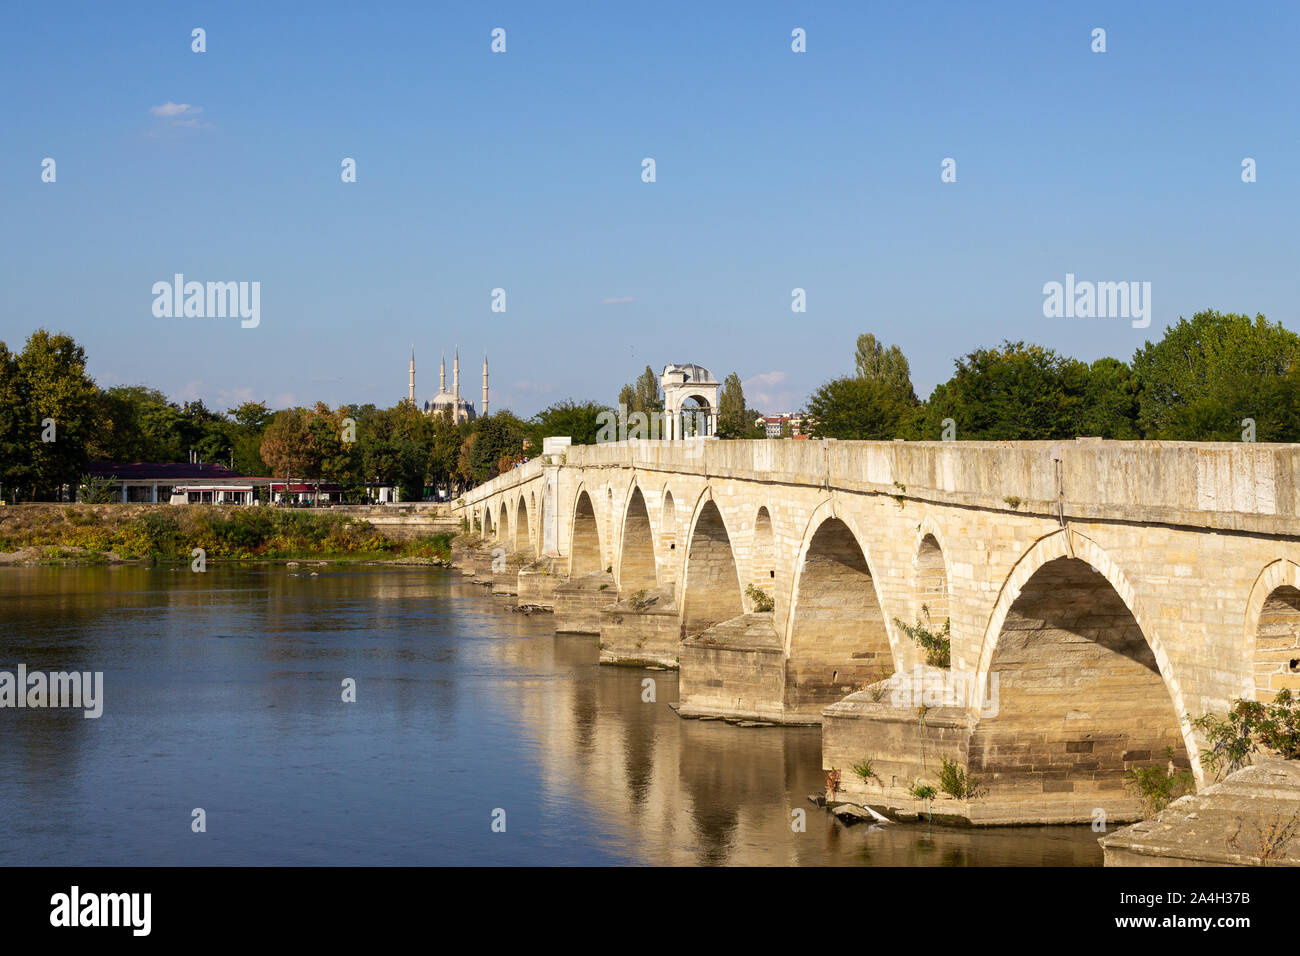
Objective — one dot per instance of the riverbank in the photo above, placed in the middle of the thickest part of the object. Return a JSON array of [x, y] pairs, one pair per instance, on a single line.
[[114, 534]]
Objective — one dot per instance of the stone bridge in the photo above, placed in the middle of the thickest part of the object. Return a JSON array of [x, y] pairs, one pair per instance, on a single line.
[[1098, 597]]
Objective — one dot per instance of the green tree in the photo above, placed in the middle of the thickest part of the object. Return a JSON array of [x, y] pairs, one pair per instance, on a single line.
[[498, 444], [1015, 392], [1208, 374], [648, 399], [287, 446], [251, 420], [14, 469], [53, 387], [733, 421], [444, 449], [1110, 401], [887, 365], [854, 407], [395, 446], [578, 420]]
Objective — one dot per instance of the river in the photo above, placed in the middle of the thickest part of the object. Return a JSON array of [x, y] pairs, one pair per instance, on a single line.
[[223, 692]]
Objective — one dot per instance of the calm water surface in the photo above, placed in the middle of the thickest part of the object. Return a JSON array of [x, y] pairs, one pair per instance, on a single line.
[[223, 691]]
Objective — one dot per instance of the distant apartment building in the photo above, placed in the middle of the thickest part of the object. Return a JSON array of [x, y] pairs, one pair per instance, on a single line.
[[774, 425]]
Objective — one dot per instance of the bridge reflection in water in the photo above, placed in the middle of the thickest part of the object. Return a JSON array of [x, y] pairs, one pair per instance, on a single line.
[[680, 791]]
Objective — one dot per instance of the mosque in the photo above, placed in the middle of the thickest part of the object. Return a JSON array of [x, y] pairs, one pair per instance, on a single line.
[[460, 409]]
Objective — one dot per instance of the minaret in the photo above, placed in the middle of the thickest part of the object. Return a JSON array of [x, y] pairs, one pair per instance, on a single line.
[[412, 374], [442, 376], [455, 374], [484, 411]]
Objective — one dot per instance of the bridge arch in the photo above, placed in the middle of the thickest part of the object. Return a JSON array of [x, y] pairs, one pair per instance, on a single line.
[[668, 519], [1082, 671], [1271, 642], [636, 558], [503, 523], [584, 537], [711, 590], [931, 578], [763, 552], [548, 536], [523, 537], [837, 637]]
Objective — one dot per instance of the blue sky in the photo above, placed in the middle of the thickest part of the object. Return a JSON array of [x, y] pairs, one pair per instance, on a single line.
[[522, 171]]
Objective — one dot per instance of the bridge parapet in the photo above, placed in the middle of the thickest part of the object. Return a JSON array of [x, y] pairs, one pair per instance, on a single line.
[[1228, 486]]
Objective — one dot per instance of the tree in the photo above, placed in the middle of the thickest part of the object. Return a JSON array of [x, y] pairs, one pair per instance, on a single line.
[[287, 446], [395, 445], [14, 468], [854, 407], [444, 449], [59, 408], [498, 444], [251, 420], [627, 397], [732, 417], [887, 365], [579, 421], [205, 432], [1110, 401], [647, 393], [1015, 392], [1208, 374]]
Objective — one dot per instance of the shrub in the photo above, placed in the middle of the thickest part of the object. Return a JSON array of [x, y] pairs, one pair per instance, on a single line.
[[1251, 726], [954, 781], [922, 791], [1160, 786], [160, 531], [866, 770], [936, 644], [759, 599]]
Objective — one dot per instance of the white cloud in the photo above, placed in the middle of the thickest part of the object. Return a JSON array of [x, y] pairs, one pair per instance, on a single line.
[[766, 380], [618, 300], [764, 392], [175, 109]]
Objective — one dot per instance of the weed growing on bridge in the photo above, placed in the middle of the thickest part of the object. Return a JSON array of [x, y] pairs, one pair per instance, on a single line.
[[954, 781], [936, 644], [833, 782], [1249, 727], [874, 684], [759, 599], [1160, 786], [923, 791], [1275, 833], [865, 769]]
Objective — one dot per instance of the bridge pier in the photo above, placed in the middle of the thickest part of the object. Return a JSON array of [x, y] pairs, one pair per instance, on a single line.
[[536, 584], [578, 602], [734, 669], [641, 630]]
